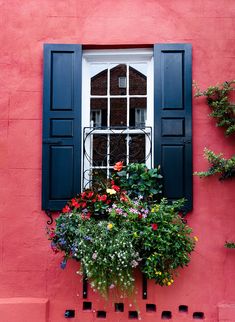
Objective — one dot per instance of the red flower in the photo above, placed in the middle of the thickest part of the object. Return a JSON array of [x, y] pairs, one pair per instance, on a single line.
[[66, 209], [154, 226], [118, 166], [83, 204], [123, 198], [90, 194], [140, 216], [75, 203], [112, 182], [116, 188], [102, 198], [83, 195], [52, 233]]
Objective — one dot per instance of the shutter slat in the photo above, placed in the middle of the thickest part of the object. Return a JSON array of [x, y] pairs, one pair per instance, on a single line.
[[173, 120], [61, 168]]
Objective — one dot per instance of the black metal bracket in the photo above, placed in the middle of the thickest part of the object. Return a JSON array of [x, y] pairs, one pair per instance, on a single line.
[[84, 287], [144, 287], [49, 214]]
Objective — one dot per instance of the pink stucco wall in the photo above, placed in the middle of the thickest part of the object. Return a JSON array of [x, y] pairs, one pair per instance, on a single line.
[[33, 287]]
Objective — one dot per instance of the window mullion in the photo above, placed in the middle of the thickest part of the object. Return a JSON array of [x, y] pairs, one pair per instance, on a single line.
[[128, 115], [108, 122]]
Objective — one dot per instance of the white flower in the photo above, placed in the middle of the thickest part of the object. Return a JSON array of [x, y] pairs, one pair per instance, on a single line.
[[94, 256], [111, 191]]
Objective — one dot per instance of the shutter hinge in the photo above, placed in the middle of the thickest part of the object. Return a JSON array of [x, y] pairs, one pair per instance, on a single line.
[[187, 141]]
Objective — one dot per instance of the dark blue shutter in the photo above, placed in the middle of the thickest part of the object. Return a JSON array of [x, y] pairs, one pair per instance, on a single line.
[[61, 166], [172, 119]]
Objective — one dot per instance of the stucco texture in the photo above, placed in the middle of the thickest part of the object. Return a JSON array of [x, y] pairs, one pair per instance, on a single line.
[[28, 268]]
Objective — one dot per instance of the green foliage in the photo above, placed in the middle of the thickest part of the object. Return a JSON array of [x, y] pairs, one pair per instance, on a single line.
[[138, 180], [219, 101], [218, 165], [229, 244], [104, 248], [132, 232], [169, 246]]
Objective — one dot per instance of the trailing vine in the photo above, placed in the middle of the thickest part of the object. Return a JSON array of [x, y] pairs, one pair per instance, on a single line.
[[229, 244], [218, 165], [218, 99], [223, 110]]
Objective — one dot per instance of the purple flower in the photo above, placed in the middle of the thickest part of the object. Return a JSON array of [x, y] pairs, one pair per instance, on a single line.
[[134, 211], [62, 241], [63, 263], [88, 238]]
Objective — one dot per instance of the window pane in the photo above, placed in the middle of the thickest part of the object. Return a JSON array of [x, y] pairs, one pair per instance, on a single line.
[[138, 112], [98, 112], [138, 79], [137, 148], [117, 148], [118, 112], [99, 149], [98, 176], [118, 80], [99, 76]]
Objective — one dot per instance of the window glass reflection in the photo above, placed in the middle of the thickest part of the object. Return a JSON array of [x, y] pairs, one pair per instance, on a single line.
[[118, 112], [99, 79], [137, 79], [98, 115], [118, 79], [138, 111]]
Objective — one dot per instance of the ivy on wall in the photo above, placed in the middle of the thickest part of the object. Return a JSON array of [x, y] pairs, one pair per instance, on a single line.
[[223, 110], [218, 99], [218, 165]]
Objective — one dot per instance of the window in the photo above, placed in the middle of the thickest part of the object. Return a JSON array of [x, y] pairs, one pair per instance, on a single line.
[[122, 82], [118, 91], [77, 117]]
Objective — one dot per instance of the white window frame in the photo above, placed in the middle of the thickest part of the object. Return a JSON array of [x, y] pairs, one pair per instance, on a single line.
[[116, 56]]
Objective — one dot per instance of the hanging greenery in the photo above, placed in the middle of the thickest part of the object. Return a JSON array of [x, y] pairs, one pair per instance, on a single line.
[[218, 165], [218, 99], [120, 225]]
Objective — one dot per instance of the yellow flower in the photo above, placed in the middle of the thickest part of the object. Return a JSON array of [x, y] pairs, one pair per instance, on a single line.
[[111, 191], [169, 283], [110, 226], [195, 238], [158, 273], [155, 209], [135, 234]]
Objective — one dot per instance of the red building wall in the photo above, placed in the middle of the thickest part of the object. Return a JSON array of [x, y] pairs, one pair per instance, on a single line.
[[33, 287]]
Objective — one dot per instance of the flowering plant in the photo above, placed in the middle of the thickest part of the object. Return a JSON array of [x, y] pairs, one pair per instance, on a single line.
[[132, 232]]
